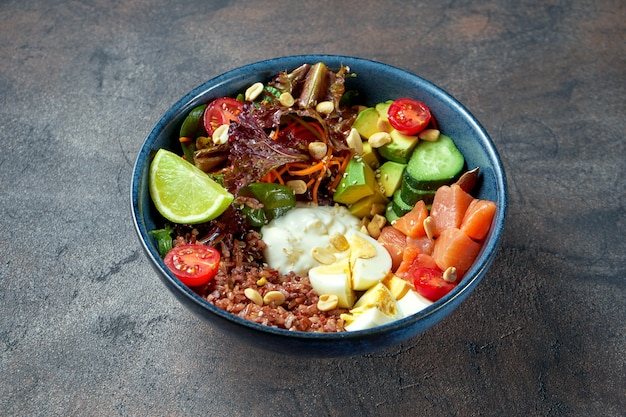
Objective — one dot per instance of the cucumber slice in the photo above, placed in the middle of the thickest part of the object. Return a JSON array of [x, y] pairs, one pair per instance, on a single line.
[[411, 195], [390, 214], [425, 185], [400, 207], [433, 164]]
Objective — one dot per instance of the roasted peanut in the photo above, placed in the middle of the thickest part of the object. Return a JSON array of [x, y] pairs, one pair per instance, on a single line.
[[318, 150], [354, 141], [339, 242], [323, 256], [375, 225], [274, 297], [220, 135], [429, 227], [286, 99], [378, 208], [325, 107], [379, 139], [327, 302], [430, 135], [297, 186], [373, 230], [253, 91], [449, 275], [254, 296], [379, 220]]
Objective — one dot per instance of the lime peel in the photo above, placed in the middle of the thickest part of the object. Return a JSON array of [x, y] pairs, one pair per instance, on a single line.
[[183, 193]]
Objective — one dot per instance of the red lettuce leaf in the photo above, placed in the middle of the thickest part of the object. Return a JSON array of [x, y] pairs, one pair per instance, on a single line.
[[253, 153]]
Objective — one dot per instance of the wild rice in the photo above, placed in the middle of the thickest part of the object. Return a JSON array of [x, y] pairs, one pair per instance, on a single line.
[[242, 267]]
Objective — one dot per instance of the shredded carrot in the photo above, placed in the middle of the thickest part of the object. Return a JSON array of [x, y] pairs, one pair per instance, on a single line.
[[282, 170], [273, 176], [184, 139], [343, 164], [316, 187], [296, 165], [311, 173], [268, 177], [310, 170], [336, 180], [320, 132], [303, 129], [303, 133]]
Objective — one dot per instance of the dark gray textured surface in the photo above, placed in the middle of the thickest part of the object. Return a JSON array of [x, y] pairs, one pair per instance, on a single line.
[[86, 327]]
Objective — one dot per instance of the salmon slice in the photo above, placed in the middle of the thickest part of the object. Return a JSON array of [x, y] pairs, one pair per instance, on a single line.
[[477, 220], [454, 248], [412, 223], [449, 207]]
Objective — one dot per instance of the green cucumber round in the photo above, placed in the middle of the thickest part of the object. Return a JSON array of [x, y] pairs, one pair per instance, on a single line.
[[433, 164], [411, 195], [400, 207]]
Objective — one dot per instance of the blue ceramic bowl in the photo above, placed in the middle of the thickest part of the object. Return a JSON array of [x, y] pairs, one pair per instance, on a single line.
[[375, 82]]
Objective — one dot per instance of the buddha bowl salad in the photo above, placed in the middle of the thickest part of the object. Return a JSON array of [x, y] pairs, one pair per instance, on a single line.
[[293, 206]]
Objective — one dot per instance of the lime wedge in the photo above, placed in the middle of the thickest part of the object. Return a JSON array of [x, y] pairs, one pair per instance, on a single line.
[[182, 192]]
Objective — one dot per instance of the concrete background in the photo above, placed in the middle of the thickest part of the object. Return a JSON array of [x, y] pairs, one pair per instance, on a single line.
[[87, 328]]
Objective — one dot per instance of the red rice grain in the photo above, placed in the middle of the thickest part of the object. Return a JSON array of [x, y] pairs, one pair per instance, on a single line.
[[242, 266]]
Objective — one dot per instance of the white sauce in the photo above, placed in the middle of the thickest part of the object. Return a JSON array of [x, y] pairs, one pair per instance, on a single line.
[[291, 238]]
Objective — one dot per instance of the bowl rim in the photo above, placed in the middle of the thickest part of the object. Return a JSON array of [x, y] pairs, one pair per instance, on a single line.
[[458, 294]]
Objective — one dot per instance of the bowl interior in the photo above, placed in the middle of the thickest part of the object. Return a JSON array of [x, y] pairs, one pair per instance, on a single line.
[[375, 82]]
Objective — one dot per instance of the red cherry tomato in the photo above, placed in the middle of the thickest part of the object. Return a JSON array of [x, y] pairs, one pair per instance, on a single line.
[[429, 283], [220, 112], [193, 264], [408, 116]]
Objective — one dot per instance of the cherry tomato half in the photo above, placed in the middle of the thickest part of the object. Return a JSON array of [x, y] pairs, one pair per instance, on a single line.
[[408, 116], [220, 112], [193, 264], [429, 283]]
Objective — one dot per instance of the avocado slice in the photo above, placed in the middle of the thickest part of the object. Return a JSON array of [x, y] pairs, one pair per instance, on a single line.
[[383, 108], [390, 177], [400, 147], [366, 123], [358, 181], [370, 156], [363, 207]]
